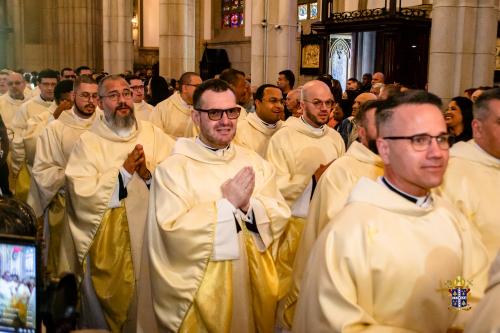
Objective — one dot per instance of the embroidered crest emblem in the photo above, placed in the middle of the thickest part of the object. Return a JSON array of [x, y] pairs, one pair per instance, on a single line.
[[458, 289]]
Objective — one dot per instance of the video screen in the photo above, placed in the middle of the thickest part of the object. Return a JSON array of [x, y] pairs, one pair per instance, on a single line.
[[17, 288]]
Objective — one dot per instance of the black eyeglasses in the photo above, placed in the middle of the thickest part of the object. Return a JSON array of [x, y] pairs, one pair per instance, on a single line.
[[421, 142], [216, 114]]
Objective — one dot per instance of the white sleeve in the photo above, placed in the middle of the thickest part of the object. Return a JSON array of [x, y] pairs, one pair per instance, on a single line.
[[115, 197], [226, 246], [301, 206]]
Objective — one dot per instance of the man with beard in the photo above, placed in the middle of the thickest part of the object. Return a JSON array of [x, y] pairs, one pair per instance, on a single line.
[[47, 191], [348, 128], [47, 80], [382, 263], [330, 196], [256, 130], [301, 151], [107, 181], [214, 215]]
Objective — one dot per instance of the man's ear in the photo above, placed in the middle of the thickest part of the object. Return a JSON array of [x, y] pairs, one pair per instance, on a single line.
[[477, 129], [383, 149], [195, 116]]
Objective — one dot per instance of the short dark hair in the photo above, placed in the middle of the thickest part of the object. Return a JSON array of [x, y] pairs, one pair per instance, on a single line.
[[65, 69], [231, 75], [82, 79], [129, 78], [289, 76], [216, 85], [364, 108], [259, 94], [48, 74], [352, 79], [63, 87], [186, 78], [385, 111], [482, 104], [79, 69]]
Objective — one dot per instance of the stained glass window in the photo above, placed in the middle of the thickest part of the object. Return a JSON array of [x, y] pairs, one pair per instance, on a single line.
[[232, 13], [307, 10]]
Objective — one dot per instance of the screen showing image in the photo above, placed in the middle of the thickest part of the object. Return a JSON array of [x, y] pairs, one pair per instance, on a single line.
[[17, 288]]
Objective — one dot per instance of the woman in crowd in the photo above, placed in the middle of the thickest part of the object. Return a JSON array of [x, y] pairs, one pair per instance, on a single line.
[[459, 117]]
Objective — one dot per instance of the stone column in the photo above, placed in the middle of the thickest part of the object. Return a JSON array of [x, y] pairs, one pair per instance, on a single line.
[[177, 37], [118, 48], [462, 46], [274, 46], [79, 31]]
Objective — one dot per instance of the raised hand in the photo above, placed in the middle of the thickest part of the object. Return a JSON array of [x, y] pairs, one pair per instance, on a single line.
[[239, 189]]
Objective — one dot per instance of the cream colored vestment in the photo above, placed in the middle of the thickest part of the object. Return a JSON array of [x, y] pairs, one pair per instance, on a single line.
[[382, 264]]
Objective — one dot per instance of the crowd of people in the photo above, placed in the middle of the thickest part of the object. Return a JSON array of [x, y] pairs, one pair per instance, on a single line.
[[212, 205]]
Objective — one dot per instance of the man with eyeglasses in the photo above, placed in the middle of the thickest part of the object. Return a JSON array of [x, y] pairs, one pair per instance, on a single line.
[[173, 115], [256, 130], [382, 262], [472, 180], [108, 175], [142, 109], [47, 81], [330, 196], [215, 213], [301, 151], [55, 143]]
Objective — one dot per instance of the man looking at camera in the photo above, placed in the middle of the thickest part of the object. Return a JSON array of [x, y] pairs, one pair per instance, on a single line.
[[108, 177], [210, 246]]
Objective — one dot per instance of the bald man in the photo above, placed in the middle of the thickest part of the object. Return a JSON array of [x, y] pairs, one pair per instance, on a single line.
[[348, 128], [378, 77], [330, 196], [301, 151]]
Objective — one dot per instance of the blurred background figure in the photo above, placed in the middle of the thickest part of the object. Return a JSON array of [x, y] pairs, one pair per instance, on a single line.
[[458, 117], [158, 90]]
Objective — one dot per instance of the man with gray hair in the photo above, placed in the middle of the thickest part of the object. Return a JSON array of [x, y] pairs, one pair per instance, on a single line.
[[395, 243], [292, 102], [472, 179], [107, 177]]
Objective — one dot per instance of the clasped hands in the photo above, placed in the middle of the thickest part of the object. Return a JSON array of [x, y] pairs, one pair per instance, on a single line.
[[136, 162], [239, 189]]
